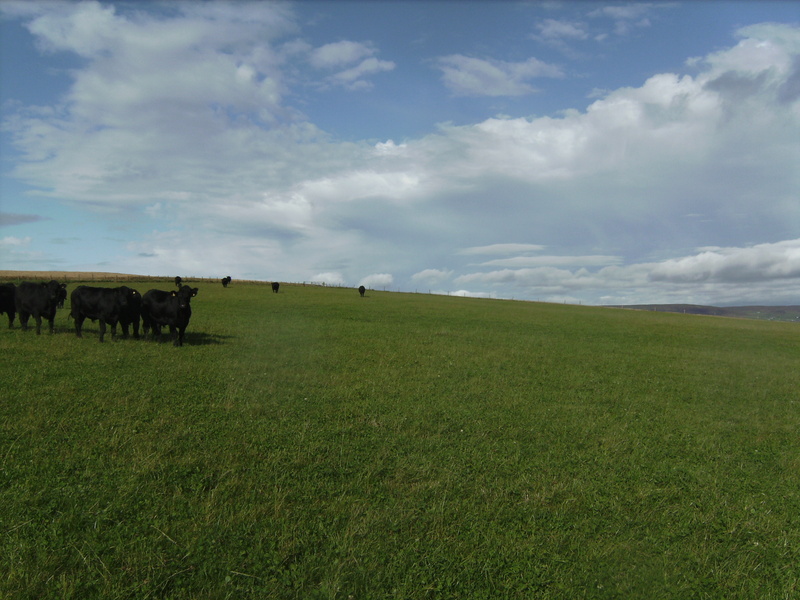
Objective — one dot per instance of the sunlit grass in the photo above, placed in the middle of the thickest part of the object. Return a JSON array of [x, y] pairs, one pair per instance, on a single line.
[[313, 443]]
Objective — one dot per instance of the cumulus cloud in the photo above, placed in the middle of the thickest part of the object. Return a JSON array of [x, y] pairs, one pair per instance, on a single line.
[[711, 275], [377, 280], [328, 278], [338, 54], [734, 265], [467, 76]]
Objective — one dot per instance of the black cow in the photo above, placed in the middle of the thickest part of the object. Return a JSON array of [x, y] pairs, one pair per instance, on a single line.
[[226, 281], [39, 300], [101, 304], [7, 304], [168, 308], [62, 296], [361, 290], [131, 312], [275, 286], [178, 282]]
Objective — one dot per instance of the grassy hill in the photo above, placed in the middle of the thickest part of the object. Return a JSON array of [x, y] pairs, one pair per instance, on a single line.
[[315, 444]]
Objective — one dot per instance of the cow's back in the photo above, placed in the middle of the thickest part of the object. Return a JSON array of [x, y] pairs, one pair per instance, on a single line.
[[97, 303], [37, 298]]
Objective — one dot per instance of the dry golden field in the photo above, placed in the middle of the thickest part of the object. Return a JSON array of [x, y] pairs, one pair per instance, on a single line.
[[68, 276]]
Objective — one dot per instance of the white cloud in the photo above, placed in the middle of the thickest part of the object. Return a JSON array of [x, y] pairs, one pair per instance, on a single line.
[[431, 276], [466, 76], [502, 249], [377, 280], [535, 261], [11, 241], [339, 54], [553, 29], [328, 278], [762, 262], [353, 78], [629, 16], [357, 57], [713, 275], [469, 294]]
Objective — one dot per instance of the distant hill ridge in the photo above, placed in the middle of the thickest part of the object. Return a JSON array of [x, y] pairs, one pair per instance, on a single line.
[[770, 313], [67, 276]]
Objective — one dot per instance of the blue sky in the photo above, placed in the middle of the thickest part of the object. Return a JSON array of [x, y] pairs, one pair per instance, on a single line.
[[602, 153]]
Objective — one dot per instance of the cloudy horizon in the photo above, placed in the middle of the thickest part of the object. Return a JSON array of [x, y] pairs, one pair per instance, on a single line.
[[577, 152]]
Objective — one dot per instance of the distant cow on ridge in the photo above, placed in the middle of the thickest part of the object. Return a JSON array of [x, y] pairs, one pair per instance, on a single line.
[[39, 300], [172, 309], [275, 286], [178, 282], [102, 304], [7, 302], [226, 281], [361, 290]]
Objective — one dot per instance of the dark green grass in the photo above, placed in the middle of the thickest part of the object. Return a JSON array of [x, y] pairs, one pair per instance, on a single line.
[[315, 444]]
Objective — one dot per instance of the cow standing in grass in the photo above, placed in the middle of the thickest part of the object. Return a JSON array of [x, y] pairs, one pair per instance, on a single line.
[[362, 290], [38, 300], [178, 282], [275, 286], [132, 311], [7, 302], [104, 305], [172, 309], [226, 281]]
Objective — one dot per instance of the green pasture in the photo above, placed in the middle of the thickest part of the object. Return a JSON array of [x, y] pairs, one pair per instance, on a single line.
[[315, 444]]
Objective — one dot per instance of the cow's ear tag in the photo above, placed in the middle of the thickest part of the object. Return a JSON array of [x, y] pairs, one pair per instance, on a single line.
[[174, 293]]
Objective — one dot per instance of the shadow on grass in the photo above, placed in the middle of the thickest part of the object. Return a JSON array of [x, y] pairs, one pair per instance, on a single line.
[[205, 339], [191, 339]]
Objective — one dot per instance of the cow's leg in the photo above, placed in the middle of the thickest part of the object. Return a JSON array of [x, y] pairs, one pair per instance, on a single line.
[[113, 330], [23, 319], [102, 325], [38, 318], [78, 325], [136, 328]]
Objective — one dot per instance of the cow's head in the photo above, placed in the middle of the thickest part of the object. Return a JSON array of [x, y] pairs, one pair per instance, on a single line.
[[184, 295], [56, 291]]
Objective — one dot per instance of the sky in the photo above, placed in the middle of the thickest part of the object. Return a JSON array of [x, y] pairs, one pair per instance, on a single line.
[[578, 152]]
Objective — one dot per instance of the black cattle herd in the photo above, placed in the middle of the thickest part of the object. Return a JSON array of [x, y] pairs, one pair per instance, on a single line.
[[108, 306]]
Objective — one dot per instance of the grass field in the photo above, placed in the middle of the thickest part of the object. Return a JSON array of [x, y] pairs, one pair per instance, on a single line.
[[315, 444]]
